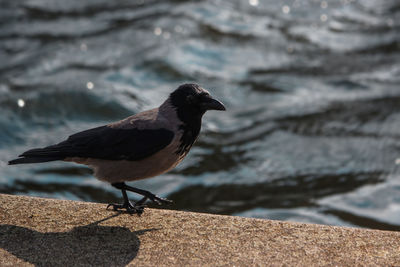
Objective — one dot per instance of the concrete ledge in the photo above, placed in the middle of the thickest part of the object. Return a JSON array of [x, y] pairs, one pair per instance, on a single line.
[[48, 232]]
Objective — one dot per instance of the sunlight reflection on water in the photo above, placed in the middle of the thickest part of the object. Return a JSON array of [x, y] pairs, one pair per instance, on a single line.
[[312, 128]]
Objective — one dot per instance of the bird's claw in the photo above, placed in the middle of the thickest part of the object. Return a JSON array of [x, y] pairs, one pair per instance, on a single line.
[[160, 200], [132, 209]]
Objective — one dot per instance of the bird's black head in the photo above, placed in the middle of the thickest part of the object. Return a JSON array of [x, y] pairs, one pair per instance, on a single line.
[[191, 98], [191, 102]]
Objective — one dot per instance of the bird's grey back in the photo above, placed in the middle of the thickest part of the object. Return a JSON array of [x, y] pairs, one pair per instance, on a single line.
[[164, 117]]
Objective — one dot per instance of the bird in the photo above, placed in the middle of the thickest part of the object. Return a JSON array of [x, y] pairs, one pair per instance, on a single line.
[[140, 146]]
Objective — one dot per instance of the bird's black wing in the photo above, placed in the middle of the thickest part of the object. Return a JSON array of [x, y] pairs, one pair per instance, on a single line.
[[108, 143]]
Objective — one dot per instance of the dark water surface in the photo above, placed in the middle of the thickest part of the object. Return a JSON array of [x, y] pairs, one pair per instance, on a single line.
[[312, 90]]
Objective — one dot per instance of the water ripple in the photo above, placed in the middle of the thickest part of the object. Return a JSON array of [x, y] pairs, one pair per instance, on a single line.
[[311, 87]]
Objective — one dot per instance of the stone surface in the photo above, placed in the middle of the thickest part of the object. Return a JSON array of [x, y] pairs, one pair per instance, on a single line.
[[48, 232]]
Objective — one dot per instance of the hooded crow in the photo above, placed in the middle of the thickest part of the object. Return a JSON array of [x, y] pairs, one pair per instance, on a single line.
[[141, 146]]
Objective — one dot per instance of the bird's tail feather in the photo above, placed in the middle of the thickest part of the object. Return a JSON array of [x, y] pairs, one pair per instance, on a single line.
[[32, 160], [38, 155]]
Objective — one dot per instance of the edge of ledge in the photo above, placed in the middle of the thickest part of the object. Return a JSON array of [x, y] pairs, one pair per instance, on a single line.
[[35, 230]]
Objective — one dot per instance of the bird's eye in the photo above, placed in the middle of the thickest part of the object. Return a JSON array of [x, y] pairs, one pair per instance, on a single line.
[[190, 99], [204, 94]]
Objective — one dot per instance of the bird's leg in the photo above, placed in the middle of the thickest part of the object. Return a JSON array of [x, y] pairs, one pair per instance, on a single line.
[[149, 195], [146, 194], [141, 202], [137, 208]]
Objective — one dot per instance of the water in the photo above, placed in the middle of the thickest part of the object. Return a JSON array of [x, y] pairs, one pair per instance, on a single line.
[[312, 90]]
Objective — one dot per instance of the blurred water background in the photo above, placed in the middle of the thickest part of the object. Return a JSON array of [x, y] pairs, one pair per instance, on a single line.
[[312, 90]]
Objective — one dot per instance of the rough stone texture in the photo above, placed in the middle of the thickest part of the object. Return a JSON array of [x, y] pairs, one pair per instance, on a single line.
[[48, 232]]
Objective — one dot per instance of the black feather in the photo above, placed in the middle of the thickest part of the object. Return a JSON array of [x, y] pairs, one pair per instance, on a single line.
[[188, 113], [32, 160], [103, 142]]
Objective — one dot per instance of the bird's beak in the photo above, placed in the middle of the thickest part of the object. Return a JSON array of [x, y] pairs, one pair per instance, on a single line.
[[212, 104]]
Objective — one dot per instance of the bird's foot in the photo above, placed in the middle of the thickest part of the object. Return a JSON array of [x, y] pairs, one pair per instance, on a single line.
[[159, 200], [138, 208]]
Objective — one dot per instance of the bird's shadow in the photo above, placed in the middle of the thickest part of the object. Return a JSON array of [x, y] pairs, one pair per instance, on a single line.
[[92, 244]]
